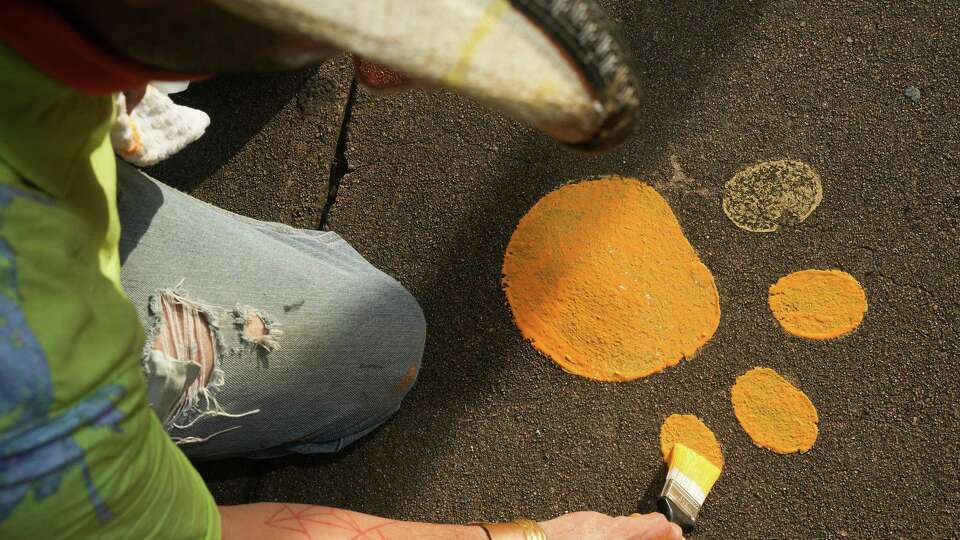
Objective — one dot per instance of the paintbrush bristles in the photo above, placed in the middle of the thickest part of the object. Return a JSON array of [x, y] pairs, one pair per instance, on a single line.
[[694, 466], [689, 479]]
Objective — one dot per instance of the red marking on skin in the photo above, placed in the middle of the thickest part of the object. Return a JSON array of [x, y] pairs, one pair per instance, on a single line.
[[364, 534], [272, 521], [288, 519]]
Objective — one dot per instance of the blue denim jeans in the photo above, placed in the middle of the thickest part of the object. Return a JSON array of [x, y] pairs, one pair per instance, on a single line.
[[342, 343]]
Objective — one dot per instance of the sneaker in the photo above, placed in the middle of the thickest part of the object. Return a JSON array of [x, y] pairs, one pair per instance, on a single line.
[[559, 65]]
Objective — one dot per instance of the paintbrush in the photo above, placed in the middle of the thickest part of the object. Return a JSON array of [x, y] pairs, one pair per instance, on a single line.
[[559, 65], [689, 480]]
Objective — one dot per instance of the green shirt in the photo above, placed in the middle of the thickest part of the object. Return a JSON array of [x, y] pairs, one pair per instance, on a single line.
[[81, 452]]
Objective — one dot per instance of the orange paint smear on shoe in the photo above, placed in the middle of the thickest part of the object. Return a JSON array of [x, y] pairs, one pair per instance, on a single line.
[[136, 144], [694, 434], [818, 304], [601, 279], [774, 413], [378, 75]]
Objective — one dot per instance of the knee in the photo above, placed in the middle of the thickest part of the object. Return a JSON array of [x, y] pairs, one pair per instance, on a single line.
[[390, 364], [385, 362], [374, 361], [403, 339]]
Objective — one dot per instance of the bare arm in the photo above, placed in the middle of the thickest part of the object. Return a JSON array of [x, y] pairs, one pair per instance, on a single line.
[[283, 521]]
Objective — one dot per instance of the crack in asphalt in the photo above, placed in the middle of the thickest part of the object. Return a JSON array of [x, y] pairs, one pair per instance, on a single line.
[[339, 166]]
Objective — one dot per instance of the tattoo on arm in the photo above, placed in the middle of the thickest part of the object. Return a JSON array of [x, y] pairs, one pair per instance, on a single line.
[[307, 520]]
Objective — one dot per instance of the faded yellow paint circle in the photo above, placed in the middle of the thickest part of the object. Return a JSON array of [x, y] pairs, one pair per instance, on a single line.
[[693, 433], [774, 413], [818, 304], [601, 279], [762, 197]]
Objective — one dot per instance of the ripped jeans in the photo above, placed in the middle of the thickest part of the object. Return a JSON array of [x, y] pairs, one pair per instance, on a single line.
[[262, 339]]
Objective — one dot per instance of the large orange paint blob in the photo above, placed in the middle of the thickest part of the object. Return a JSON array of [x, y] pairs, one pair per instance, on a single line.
[[818, 304], [773, 412], [692, 433], [601, 279]]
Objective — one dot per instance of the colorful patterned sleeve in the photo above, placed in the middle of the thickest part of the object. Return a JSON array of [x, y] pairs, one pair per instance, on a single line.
[[81, 452]]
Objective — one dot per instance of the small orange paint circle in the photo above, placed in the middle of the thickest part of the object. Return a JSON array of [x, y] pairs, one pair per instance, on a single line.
[[601, 279], [818, 304], [774, 413], [693, 433]]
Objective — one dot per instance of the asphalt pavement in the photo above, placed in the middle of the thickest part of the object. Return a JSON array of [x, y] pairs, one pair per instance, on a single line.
[[867, 94]]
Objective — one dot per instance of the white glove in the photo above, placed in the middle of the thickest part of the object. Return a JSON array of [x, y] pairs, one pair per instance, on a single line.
[[156, 129]]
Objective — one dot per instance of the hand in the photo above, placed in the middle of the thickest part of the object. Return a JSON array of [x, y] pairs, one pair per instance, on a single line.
[[596, 526]]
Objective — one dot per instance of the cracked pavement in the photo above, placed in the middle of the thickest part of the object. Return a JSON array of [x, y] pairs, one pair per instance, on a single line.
[[436, 184]]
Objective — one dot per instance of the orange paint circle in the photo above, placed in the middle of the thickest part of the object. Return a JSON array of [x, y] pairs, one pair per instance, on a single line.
[[774, 413], [693, 433], [601, 279], [818, 304]]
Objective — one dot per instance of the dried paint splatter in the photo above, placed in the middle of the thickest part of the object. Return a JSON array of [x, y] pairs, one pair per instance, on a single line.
[[693, 433], [772, 193], [602, 280], [774, 413], [818, 304]]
